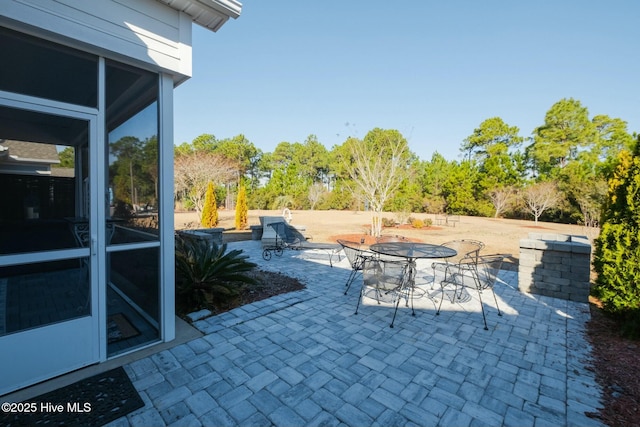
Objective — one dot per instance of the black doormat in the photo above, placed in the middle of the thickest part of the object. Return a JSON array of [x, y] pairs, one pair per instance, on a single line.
[[94, 401]]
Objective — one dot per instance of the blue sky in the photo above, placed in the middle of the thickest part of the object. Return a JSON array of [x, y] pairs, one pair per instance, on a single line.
[[434, 70]]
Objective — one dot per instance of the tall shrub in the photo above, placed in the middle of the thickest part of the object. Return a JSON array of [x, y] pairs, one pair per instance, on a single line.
[[210, 209], [242, 210], [617, 249]]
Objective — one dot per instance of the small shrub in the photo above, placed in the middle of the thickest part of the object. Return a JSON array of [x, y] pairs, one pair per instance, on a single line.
[[417, 223], [388, 222], [208, 274], [184, 204], [403, 218]]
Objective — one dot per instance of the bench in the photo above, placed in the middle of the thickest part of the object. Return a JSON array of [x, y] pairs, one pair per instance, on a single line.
[[441, 219], [452, 220], [449, 220]]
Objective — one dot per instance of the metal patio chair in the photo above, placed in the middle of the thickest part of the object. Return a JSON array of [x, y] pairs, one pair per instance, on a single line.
[[356, 256], [385, 281], [481, 276], [468, 252]]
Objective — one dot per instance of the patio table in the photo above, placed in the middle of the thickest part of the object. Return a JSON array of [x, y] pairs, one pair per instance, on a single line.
[[411, 251]]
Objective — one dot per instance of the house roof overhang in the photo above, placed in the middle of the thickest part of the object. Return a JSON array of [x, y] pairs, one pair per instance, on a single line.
[[211, 14]]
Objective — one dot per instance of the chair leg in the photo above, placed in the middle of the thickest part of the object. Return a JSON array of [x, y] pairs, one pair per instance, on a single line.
[[413, 311], [496, 300], [486, 328], [395, 312], [441, 299], [359, 299], [355, 268], [411, 282], [350, 280], [433, 281]]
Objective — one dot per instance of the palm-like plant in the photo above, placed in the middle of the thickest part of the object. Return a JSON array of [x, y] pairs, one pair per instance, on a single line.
[[206, 269]]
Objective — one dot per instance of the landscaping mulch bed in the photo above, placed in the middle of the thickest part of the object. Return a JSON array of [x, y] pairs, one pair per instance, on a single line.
[[271, 284], [616, 361]]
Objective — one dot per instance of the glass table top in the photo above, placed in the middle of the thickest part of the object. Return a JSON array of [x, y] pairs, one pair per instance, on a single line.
[[413, 250]]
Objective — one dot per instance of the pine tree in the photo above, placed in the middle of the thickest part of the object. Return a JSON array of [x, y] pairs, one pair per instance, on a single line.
[[210, 209], [242, 211], [617, 249]]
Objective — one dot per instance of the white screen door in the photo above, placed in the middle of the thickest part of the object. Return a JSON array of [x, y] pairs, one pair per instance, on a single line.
[[49, 257]]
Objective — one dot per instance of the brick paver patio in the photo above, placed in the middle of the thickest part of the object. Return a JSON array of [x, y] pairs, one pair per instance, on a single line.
[[305, 359]]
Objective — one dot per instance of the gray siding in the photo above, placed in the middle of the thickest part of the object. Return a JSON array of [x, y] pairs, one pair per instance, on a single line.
[[145, 31]]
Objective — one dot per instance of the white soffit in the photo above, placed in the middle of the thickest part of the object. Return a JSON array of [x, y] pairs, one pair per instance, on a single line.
[[211, 14]]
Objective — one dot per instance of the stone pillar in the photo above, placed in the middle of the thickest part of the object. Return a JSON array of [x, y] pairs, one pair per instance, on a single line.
[[256, 232], [555, 265]]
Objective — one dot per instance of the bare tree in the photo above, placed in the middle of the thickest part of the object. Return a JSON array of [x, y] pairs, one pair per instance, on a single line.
[[540, 197], [316, 191], [379, 164], [192, 173], [501, 198]]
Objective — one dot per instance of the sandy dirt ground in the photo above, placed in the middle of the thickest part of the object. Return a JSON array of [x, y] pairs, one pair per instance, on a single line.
[[499, 235]]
